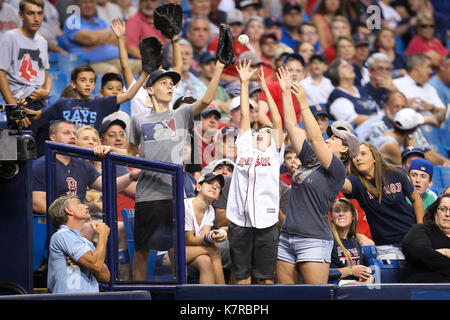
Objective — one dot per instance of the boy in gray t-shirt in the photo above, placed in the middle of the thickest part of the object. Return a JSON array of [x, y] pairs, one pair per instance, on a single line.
[[24, 67], [161, 135]]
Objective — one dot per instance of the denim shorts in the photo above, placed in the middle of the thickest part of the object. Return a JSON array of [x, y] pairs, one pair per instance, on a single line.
[[295, 249]]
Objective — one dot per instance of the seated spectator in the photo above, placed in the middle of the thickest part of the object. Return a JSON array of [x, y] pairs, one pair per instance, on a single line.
[[420, 94], [280, 54], [395, 102], [249, 8], [235, 112], [325, 12], [385, 43], [225, 145], [198, 35], [409, 154], [339, 26], [201, 8], [93, 40], [127, 8], [189, 84], [306, 50], [295, 64], [141, 26], [425, 42], [380, 78], [347, 102], [317, 87], [73, 258], [427, 246], [391, 17], [393, 141], [254, 29], [84, 110], [345, 48], [381, 190], [206, 133], [107, 10], [9, 19], [201, 250], [421, 173], [206, 65], [441, 81], [222, 166], [291, 18], [308, 33], [347, 255], [274, 25], [50, 28], [291, 163], [361, 41], [269, 44]]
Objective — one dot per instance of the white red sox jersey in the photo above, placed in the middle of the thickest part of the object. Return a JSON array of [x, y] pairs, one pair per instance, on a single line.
[[254, 197]]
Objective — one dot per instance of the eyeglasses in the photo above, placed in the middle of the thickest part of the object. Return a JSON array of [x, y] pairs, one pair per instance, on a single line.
[[389, 69], [443, 209], [427, 26], [114, 134]]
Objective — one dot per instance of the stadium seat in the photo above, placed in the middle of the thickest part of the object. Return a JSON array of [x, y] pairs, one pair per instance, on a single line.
[[445, 174], [39, 239], [386, 271], [64, 62], [60, 80]]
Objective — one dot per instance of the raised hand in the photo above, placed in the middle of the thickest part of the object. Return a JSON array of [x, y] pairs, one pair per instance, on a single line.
[[118, 27], [299, 92], [262, 79], [243, 69], [284, 78]]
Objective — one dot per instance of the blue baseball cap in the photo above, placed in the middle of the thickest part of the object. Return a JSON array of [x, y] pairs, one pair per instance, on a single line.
[[155, 75], [422, 165], [296, 56]]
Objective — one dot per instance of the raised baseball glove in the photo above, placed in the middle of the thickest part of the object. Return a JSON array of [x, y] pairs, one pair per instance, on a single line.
[[225, 52], [152, 53], [167, 19]]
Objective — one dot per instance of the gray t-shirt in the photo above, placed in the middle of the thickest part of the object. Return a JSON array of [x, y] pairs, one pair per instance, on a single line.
[[24, 60], [313, 191], [161, 136]]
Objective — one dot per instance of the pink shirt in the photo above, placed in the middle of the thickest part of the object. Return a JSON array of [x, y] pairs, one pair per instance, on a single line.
[[138, 28]]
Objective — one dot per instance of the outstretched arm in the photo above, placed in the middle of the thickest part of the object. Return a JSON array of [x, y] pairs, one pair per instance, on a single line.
[[124, 97], [276, 117], [210, 93], [313, 132], [245, 75], [118, 27], [296, 135]]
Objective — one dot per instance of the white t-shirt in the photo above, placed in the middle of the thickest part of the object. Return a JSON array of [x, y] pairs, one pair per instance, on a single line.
[[141, 102], [191, 223], [317, 93], [426, 92], [109, 12], [254, 197]]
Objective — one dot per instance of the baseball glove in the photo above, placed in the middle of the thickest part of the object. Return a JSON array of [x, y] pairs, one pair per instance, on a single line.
[[167, 19], [225, 46], [152, 53]]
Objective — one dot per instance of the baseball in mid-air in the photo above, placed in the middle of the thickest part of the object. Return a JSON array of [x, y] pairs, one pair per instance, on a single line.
[[243, 39]]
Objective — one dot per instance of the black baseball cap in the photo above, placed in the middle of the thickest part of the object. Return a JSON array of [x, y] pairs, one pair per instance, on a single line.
[[155, 75], [288, 6], [211, 176], [108, 123], [296, 56], [206, 57], [319, 110], [318, 56], [412, 150]]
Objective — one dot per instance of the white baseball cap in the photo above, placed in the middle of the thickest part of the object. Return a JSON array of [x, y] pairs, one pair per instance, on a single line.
[[407, 119], [236, 103]]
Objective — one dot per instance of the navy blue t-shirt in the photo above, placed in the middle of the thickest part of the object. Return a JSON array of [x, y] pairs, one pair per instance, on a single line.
[[390, 220], [81, 112], [379, 96], [338, 257], [74, 178], [363, 105]]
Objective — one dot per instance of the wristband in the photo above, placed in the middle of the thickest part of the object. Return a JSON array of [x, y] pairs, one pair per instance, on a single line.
[[175, 40], [350, 270], [132, 179]]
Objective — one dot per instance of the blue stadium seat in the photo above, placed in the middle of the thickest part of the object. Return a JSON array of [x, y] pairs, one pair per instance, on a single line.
[[386, 271], [64, 62], [437, 177], [445, 173], [431, 133], [128, 221], [39, 239], [60, 80]]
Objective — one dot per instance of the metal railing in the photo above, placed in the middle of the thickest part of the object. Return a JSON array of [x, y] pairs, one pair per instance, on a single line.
[[109, 207]]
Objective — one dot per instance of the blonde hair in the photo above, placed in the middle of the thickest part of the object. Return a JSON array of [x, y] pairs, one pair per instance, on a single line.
[[97, 165], [352, 231]]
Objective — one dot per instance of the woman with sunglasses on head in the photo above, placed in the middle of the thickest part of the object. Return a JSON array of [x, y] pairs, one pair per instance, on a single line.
[[425, 42], [253, 199], [427, 245], [306, 241]]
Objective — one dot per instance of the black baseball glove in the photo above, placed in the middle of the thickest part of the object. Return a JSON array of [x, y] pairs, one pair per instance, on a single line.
[[167, 19], [225, 46], [152, 53]]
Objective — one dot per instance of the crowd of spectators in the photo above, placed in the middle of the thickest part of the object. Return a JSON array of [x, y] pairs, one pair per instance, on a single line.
[[384, 85]]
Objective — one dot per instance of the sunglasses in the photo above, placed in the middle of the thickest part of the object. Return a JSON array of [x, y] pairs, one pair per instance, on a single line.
[[427, 26]]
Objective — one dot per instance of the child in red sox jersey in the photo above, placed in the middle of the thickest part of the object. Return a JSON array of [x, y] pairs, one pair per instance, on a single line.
[[253, 201]]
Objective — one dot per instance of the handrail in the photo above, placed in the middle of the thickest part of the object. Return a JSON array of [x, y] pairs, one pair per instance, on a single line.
[[109, 201]]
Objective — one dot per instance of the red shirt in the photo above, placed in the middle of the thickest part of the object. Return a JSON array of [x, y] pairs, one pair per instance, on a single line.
[[420, 45], [286, 178], [362, 225], [275, 91], [123, 202], [138, 28]]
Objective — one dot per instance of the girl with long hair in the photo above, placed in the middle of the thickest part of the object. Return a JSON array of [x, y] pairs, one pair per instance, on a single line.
[[380, 189]]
